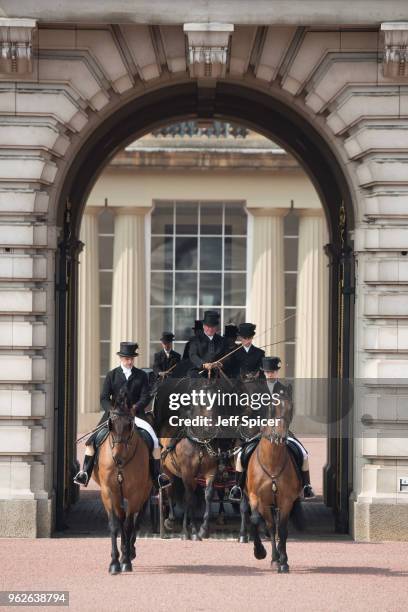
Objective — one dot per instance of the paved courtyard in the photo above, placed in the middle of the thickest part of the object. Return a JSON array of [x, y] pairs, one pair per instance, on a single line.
[[212, 575]]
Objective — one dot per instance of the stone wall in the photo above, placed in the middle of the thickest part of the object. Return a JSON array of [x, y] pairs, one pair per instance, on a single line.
[[79, 77]]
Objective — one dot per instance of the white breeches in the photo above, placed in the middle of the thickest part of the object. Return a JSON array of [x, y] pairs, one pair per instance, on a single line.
[[305, 465], [145, 425], [299, 445]]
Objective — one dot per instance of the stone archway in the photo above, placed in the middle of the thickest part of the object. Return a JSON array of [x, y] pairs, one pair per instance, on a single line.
[[345, 115], [274, 119]]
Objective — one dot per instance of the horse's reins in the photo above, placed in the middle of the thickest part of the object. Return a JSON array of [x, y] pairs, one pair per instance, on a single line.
[[97, 428]]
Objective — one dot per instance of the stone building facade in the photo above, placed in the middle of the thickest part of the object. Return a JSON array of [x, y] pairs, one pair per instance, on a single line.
[[328, 82]]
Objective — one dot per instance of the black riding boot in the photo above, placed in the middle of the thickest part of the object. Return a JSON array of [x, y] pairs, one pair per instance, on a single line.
[[236, 491], [159, 479], [83, 477], [307, 487]]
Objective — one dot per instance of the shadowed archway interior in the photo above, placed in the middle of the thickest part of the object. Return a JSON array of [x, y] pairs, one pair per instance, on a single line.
[[280, 123]]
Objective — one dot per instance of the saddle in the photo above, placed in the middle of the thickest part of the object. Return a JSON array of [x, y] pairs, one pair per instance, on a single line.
[[99, 437], [295, 451]]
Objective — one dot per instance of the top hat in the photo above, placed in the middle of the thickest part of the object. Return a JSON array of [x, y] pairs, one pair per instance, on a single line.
[[198, 326], [167, 337], [128, 349], [246, 330], [211, 317], [271, 364], [231, 331]]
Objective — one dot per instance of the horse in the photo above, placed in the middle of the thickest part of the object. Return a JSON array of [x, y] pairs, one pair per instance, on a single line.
[[273, 484], [196, 456], [122, 472]]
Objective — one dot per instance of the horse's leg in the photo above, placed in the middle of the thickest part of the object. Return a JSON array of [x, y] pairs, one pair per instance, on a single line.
[[209, 491], [127, 531], [244, 510], [189, 497], [185, 531], [171, 519], [272, 531], [256, 519], [269, 514], [282, 526], [221, 510], [114, 567], [136, 519]]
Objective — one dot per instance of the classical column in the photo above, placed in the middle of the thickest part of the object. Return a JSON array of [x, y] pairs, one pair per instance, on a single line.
[[266, 306], [312, 316], [129, 294], [88, 316]]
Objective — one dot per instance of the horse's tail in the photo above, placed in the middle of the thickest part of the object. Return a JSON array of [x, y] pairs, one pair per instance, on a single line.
[[297, 516]]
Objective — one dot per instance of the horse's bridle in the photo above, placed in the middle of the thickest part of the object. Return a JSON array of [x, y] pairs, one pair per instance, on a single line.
[[119, 462]]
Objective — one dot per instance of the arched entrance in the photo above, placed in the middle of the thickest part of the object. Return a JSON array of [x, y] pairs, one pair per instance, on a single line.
[[276, 120]]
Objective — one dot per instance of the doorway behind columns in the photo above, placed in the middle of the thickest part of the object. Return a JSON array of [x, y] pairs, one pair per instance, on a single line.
[[196, 216]]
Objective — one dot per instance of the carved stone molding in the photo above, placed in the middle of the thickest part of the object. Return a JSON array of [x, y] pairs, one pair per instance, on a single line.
[[395, 57], [208, 45], [16, 45]]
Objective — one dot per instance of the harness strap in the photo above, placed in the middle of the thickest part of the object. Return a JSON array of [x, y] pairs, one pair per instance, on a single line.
[[273, 477]]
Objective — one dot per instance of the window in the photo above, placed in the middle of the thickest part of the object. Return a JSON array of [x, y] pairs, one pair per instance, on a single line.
[[198, 263]]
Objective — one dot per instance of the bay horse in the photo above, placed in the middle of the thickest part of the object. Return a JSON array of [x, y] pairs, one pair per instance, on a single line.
[[198, 455], [273, 485], [122, 472]]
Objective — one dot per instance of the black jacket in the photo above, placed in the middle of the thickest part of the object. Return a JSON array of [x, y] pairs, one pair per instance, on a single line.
[[200, 350], [137, 386], [242, 362], [162, 363]]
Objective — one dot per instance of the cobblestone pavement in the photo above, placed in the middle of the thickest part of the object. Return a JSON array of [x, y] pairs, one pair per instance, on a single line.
[[212, 576]]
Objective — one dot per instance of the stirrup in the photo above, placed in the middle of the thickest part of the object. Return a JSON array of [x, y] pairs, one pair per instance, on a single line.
[[235, 489], [78, 479]]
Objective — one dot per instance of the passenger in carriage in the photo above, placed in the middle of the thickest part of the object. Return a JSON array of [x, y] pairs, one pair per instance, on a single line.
[[166, 358], [197, 329], [248, 360], [271, 367], [206, 348], [136, 382], [231, 335]]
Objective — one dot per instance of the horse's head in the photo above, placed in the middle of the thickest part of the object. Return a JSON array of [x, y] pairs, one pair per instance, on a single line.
[[248, 377], [281, 410], [121, 418]]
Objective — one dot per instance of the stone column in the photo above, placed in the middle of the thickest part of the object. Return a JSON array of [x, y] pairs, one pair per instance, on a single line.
[[312, 316], [129, 293], [88, 319], [266, 306]]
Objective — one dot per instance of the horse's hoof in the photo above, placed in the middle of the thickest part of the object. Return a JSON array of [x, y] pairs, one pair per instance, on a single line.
[[243, 539], [260, 553], [283, 569], [185, 536], [169, 524], [204, 534], [195, 537], [126, 567], [114, 568]]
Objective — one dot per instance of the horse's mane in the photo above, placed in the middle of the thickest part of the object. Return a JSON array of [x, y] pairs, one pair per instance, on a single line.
[[122, 401]]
